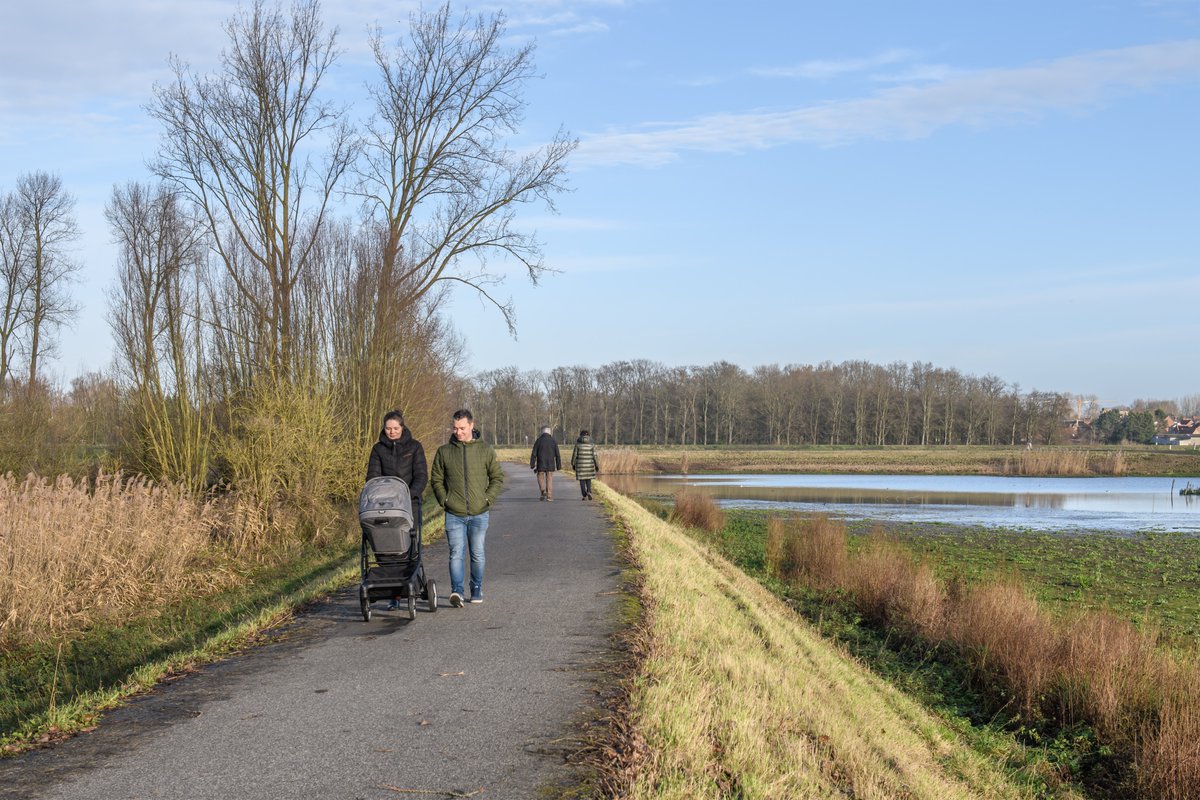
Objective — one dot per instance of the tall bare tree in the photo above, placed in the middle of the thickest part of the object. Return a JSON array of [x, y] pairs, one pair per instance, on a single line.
[[249, 145], [46, 213], [437, 175], [154, 311], [14, 284]]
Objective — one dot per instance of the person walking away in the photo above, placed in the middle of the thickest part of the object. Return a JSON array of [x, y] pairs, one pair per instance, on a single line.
[[545, 459], [585, 462], [401, 456], [466, 480]]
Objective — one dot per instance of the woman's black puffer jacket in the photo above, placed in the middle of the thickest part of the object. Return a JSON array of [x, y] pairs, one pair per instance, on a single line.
[[403, 458]]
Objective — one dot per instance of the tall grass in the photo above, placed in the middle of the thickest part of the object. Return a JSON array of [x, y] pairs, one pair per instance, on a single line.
[[621, 461], [1091, 667], [71, 553], [1066, 462], [697, 510]]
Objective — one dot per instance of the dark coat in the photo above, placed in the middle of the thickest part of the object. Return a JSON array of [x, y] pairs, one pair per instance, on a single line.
[[545, 456], [403, 458], [466, 477], [584, 460]]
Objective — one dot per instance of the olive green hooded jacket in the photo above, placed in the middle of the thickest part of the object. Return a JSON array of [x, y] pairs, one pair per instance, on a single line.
[[466, 477]]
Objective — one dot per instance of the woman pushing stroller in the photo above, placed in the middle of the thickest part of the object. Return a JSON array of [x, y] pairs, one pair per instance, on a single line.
[[401, 456]]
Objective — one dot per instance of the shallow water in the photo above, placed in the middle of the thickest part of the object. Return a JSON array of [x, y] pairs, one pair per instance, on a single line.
[[1110, 504]]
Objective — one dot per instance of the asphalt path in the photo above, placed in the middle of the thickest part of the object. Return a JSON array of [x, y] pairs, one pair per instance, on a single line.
[[484, 701]]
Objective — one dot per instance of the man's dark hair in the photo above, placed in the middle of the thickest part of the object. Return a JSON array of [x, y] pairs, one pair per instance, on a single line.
[[462, 413], [394, 414]]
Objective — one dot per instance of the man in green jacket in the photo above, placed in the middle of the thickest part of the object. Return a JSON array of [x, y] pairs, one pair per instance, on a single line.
[[466, 479]]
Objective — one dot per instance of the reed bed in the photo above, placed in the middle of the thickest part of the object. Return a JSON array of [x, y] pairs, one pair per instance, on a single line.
[[1067, 462], [71, 553], [1091, 667], [620, 461]]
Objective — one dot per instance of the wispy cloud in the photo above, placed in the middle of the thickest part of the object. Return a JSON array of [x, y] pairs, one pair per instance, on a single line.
[[979, 100], [826, 69]]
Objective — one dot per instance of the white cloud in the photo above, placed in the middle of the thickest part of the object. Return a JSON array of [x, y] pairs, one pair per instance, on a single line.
[[980, 100], [824, 69]]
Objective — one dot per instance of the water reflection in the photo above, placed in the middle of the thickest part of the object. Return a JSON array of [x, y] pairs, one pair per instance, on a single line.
[[1121, 504]]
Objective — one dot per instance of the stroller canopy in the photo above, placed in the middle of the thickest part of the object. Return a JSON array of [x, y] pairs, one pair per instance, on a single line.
[[385, 496]]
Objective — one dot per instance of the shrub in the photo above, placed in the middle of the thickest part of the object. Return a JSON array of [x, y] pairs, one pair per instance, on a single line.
[[1004, 634], [1110, 673], [1168, 755], [810, 552], [697, 510]]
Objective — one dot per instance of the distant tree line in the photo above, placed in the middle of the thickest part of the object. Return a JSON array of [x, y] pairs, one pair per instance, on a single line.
[[852, 403]]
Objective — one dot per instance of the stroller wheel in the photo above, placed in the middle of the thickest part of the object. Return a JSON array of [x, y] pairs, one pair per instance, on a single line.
[[412, 605], [431, 594], [365, 604]]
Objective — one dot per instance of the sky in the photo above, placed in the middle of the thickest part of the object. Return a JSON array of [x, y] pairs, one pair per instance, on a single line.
[[1006, 188]]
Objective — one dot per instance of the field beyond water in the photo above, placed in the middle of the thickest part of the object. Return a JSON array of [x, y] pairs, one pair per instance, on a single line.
[[1130, 460]]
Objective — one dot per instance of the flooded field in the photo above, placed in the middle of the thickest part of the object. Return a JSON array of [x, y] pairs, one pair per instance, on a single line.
[[1049, 504]]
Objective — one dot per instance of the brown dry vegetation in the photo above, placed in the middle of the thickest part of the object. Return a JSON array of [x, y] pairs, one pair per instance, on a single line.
[[697, 510], [1089, 667], [70, 552]]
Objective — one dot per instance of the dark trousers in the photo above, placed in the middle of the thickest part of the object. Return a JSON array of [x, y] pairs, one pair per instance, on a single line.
[[586, 487]]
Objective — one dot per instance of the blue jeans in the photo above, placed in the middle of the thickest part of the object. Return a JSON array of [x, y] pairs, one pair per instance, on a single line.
[[466, 531]]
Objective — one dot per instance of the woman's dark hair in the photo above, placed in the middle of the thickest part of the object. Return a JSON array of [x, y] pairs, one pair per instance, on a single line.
[[394, 414], [583, 432]]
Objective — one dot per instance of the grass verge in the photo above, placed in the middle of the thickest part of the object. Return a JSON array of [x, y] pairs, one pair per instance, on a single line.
[[737, 696]]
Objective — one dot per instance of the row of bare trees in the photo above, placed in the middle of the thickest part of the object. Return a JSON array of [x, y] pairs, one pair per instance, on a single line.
[[280, 284], [851, 403]]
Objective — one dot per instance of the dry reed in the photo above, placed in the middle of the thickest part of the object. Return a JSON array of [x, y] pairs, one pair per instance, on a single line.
[[1110, 674], [1168, 754], [1066, 462], [71, 554], [810, 551], [697, 510], [621, 461], [1005, 634]]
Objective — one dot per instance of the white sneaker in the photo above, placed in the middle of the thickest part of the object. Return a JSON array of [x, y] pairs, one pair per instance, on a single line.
[[456, 600]]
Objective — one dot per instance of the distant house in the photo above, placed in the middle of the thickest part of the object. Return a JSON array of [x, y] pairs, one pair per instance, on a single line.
[[1176, 440], [1184, 426]]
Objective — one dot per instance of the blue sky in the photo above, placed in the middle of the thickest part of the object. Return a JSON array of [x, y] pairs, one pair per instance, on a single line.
[[1007, 188]]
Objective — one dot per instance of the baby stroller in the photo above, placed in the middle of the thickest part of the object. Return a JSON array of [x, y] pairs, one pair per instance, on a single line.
[[391, 547]]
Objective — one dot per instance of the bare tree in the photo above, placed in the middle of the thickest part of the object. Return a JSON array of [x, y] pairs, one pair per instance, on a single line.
[[243, 144], [46, 213], [154, 312], [14, 275], [437, 176]]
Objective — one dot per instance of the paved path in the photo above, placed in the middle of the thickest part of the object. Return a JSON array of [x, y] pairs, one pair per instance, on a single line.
[[479, 701]]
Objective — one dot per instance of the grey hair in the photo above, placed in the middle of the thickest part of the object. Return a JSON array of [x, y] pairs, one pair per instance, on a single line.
[[546, 429]]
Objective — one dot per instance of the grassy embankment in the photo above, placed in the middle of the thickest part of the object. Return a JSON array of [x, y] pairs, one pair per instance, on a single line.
[[107, 590], [737, 696], [1131, 460], [1114, 704]]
